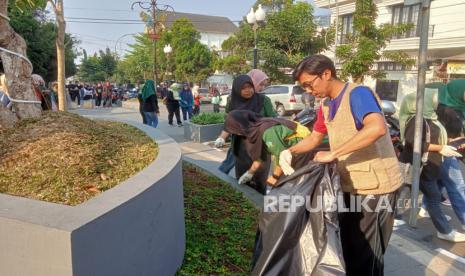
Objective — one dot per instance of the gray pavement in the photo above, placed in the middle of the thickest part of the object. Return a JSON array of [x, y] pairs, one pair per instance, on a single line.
[[412, 251]]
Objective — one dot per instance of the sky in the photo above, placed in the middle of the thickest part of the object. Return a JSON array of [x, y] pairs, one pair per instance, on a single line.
[[95, 36]]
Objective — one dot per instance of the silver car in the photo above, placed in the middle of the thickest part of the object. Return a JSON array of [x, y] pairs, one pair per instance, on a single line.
[[286, 98]]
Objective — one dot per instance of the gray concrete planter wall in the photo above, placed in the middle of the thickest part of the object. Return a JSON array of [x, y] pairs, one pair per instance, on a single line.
[[202, 133], [136, 228]]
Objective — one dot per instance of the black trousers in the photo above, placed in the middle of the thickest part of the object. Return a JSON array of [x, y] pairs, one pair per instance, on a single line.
[[98, 100], [174, 111], [365, 234]]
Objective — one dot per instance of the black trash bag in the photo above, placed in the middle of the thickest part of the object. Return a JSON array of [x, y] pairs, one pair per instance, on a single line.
[[304, 241]]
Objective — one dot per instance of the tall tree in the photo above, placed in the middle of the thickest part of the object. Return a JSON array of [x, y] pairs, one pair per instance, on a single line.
[[39, 33], [17, 70], [190, 60], [98, 67], [289, 35], [365, 45], [57, 6]]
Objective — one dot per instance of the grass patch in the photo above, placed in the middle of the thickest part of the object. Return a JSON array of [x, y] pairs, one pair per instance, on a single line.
[[220, 226], [209, 118], [65, 158]]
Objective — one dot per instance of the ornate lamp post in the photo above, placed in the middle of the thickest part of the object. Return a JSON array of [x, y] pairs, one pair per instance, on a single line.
[[168, 50], [256, 19], [156, 13]]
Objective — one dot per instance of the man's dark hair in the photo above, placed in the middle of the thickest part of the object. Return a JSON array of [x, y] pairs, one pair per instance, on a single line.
[[314, 65]]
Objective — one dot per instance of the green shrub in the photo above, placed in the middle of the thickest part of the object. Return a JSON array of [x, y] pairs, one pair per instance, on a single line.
[[209, 118]]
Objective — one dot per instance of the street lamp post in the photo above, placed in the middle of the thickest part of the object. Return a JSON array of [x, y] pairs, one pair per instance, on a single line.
[[168, 50], [153, 8], [256, 19]]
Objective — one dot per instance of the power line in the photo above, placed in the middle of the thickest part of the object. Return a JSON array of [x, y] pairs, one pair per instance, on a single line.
[[140, 21]]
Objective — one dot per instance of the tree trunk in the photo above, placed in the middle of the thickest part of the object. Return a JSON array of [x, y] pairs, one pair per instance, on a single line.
[[60, 44], [17, 72]]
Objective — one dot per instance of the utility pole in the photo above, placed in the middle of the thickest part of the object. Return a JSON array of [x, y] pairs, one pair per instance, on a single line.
[[154, 19], [337, 32], [153, 8], [422, 66]]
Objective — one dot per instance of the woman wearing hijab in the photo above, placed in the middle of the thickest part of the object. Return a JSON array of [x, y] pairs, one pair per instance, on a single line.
[[186, 101], [216, 100], [434, 148], [150, 103], [172, 104], [259, 79], [264, 136], [451, 113], [243, 97]]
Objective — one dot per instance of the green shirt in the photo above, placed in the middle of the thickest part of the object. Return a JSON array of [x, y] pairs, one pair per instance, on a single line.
[[276, 142]]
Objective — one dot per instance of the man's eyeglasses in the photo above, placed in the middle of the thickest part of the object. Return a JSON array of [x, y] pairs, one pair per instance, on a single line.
[[308, 85]]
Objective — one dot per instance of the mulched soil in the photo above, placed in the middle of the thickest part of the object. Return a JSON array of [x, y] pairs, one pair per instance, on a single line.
[[67, 159]]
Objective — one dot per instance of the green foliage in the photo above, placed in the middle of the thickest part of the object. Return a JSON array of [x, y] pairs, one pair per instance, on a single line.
[[289, 35], [365, 46], [209, 118], [28, 5], [98, 67], [190, 60], [220, 227], [40, 39]]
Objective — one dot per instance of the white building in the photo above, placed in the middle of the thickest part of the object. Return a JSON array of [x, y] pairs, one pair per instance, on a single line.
[[213, 29], [446, 45]]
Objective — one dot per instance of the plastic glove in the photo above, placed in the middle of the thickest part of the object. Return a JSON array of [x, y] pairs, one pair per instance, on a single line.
[[246, 177], [449, 151], [285, 159], [219, 142]]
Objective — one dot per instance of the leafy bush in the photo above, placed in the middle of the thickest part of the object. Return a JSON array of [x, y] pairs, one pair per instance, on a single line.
[[209, 118]]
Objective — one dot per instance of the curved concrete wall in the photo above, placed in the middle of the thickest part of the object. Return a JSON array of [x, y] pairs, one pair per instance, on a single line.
[[135, 228]]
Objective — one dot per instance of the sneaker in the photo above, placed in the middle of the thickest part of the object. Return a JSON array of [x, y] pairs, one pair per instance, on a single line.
[[180, 125], [423, 213], [446, 202], [453, 236]]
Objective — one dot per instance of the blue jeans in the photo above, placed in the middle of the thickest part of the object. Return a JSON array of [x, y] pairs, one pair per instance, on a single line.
[[152, 119], [186, 111], [452, 180], [432, 201], [228, 163]]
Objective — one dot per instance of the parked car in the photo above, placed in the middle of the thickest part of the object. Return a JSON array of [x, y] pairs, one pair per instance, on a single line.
[[130, 94], [286, 98]]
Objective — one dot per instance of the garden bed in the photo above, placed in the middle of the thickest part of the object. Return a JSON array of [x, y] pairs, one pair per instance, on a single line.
[[204, 127], [65, 158], [220, 226]]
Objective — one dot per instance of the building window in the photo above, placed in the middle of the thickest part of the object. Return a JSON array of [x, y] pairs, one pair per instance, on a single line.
[[407, 14], [387, 89], [393, 66], [347, 28]]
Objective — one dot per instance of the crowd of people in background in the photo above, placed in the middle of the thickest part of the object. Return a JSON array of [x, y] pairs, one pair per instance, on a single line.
[[101, 94]]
